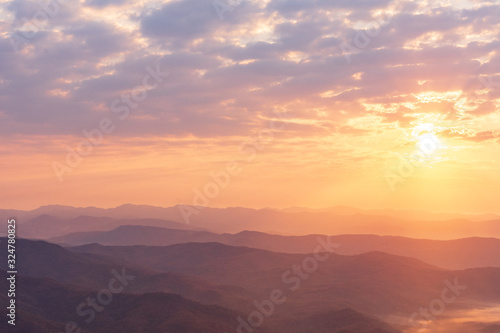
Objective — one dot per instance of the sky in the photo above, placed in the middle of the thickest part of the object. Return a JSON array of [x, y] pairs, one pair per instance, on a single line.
[[317, 103]]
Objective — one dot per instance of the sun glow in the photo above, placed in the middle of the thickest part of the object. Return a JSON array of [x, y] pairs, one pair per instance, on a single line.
[[429, 145]]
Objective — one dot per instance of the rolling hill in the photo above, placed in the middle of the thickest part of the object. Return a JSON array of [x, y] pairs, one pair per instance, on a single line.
[[451, 254], [373, 282], [295, 221]]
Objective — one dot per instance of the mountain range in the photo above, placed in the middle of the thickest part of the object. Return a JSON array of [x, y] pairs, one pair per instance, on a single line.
[[339, 270], [340, 220], [451, 254]]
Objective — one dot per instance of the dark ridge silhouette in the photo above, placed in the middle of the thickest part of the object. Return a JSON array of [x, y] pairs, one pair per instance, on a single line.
[[373, 285], [46, 306]]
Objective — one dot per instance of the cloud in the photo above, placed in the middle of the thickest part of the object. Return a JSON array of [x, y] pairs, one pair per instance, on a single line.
[[294, 6], [471, 135], [344, 111], [225, 75], [105, 3]]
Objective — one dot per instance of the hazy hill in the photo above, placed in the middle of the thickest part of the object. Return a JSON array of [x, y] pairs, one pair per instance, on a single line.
[[146, 211], [400, 214], [452, 254], [47, 226], [45, 260], [341, 321], [46, 306], [59, 280], [295, 222], [51, 305], [138, 235], [373, 282]]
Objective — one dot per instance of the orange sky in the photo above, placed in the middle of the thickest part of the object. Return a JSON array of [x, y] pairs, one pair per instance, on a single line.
[[379, 104]]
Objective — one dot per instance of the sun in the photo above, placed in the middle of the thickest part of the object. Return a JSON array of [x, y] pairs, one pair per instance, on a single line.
[[427, 142]]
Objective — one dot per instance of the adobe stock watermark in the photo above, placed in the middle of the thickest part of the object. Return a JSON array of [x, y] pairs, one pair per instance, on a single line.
[[426, 147], [103, 298], [485, 83], [222, 7], [488, 83], [293, 279], [363, 38], [437, 306], [31, 28], [221, 179], [121, 107]]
